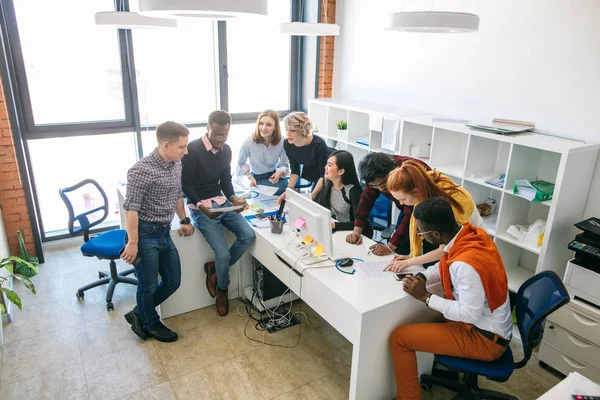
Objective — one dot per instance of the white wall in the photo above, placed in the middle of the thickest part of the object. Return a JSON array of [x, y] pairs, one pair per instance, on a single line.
[[532, 60]]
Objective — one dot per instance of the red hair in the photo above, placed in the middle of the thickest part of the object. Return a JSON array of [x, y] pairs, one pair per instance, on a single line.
[[412, 176]]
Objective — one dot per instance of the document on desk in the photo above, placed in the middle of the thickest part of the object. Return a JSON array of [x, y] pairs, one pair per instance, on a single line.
[[266, 190], [372, 270]]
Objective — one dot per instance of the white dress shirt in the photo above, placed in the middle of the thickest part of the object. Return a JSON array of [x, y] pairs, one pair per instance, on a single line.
[[470, 304], [263, 159]]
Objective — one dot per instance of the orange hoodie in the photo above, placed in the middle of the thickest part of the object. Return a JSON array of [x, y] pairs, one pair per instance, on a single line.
[[476, 248]]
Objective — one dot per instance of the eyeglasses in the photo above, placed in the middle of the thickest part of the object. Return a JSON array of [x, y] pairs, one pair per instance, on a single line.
[[381, 185], [423, 233]]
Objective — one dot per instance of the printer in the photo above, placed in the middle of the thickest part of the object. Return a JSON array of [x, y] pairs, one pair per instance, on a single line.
[[582, 276]]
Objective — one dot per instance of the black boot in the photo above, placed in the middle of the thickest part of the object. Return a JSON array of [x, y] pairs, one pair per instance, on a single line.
[[137, 326], [161, 333]]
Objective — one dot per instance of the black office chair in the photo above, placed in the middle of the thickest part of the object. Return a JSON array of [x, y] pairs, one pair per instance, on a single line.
[[538, 297], [88, 206]]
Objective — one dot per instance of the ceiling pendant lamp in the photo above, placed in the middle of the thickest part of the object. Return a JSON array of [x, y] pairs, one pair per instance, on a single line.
[[132, 20], [310, 28], [212, 9], [433, 22]]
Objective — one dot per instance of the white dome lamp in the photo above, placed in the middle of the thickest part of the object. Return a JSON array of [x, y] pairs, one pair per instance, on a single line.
[[211, 9], [433, 22], [310, 28], [132, 20]]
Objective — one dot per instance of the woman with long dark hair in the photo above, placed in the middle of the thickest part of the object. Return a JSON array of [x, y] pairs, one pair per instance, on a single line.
[[341, 191]]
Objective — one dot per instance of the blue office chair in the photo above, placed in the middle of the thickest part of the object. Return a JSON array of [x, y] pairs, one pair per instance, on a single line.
[[538, 297], [88, 206], [302, 183]]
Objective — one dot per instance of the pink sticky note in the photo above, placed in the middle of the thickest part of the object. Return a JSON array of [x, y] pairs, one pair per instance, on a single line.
[[299, 223]]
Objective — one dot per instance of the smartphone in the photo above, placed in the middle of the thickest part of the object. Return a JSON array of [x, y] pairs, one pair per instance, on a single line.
[[399, 277]]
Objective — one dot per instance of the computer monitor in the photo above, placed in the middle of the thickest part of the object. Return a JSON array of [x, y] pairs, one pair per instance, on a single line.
[[317, 217]]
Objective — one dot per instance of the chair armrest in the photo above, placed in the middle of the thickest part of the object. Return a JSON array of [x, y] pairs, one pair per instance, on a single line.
[[388, 232]]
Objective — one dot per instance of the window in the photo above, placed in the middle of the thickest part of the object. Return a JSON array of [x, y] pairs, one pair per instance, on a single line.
[[176, 72], [72, 67], [63, 162], [258, 59]]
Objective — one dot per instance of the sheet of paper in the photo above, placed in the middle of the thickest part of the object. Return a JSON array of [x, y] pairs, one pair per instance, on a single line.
[[225, 209], [265, 190], [299, 223], [260, 223], [319, 249], [372, 270]]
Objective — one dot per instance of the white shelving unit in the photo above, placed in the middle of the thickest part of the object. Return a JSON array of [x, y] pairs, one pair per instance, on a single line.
[[469, 157]]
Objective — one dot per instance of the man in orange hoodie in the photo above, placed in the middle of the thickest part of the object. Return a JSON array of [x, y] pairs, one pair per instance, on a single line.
[[475, 302]]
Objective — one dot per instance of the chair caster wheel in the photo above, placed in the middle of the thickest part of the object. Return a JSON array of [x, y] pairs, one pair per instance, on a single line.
[[80, 295], [426, 385], [110, 307]]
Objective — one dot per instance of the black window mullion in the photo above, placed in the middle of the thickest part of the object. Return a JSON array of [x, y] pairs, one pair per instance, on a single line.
[[297, 56]]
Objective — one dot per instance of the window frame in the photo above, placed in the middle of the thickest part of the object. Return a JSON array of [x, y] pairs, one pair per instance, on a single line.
[[20, 107]]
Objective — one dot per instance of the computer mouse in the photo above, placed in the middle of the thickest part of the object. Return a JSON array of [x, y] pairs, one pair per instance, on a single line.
[[346, 262]]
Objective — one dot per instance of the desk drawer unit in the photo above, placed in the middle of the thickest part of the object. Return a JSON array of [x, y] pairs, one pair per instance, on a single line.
[[565, 363], [572, 344], [581, 324]]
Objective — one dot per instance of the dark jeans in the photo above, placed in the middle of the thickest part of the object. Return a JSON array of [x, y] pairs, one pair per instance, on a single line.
[[212, 230], [158, 256], [263, 179]]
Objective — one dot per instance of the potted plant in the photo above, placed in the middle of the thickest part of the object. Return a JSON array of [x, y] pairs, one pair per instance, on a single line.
[[7, 274], [342, 130]]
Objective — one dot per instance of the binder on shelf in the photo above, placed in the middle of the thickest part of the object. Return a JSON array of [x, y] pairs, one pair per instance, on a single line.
[[534, 191]]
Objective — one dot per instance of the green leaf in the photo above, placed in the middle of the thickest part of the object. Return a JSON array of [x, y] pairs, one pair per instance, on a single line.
[[10, 259], [12, 297], [25, 281], [2, 309]]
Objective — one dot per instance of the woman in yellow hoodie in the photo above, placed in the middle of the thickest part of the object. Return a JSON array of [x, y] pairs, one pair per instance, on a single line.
[[411, 184]]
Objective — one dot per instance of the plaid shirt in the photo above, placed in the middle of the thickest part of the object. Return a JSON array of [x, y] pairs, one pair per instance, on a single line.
[[367, 200], [153, 188]]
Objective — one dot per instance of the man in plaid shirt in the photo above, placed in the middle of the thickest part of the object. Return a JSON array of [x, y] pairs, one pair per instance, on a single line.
[[374, 169], [153, 195]]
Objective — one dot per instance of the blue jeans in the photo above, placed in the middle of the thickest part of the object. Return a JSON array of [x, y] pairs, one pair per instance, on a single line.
[[158, 256], [213, 233], [263, 179]]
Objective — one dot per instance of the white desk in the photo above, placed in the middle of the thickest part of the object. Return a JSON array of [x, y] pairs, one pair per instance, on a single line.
[[364, 312], [574, 383]]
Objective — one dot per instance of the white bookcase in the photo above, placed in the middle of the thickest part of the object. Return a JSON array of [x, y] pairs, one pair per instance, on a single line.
[[469, 157]]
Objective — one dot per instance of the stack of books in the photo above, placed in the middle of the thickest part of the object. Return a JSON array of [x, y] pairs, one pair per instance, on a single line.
[[504, 126]]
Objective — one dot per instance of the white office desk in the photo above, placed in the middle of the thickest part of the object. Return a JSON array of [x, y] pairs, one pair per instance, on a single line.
[[364, 312]]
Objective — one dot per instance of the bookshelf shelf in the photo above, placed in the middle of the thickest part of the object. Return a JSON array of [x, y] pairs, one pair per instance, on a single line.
[[468, 157]]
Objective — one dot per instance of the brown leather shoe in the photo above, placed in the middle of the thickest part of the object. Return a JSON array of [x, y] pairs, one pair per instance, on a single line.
[[222, 302], [211, 278]]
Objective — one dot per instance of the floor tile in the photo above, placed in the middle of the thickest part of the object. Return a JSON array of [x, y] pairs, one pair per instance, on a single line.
[[226, 380], [123, 372], [56, 384], [194, 350], [164, 391], [37, 320], [204, 318], [40, 354], [326, 388]]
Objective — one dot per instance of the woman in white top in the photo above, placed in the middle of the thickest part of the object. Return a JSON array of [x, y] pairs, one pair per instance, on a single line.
[[262, 158]]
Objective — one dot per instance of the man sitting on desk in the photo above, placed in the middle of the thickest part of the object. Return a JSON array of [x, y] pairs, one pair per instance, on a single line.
[[374, 169], [475, 301], [206, 180]]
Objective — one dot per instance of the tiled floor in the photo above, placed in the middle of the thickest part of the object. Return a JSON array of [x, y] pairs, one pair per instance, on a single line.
[[61, 348]]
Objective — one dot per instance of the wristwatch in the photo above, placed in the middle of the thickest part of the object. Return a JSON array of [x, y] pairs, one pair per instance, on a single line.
[[185, 221], [427, 300]]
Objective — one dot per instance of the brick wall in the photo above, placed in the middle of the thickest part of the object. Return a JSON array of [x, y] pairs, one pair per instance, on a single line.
[[326, 51], [12, 195]]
